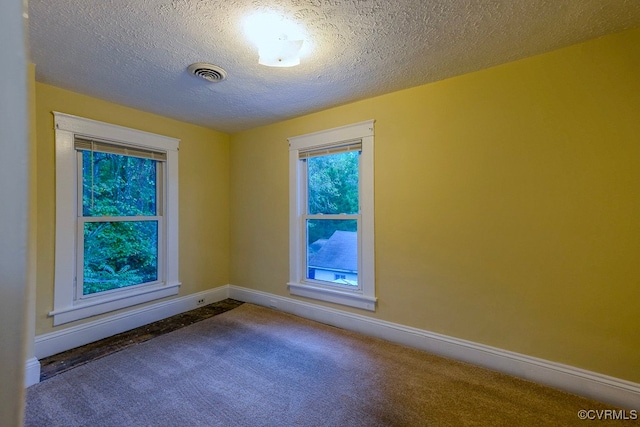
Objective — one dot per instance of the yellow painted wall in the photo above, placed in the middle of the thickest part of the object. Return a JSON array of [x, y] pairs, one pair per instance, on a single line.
[[203, 192], [507, 205]]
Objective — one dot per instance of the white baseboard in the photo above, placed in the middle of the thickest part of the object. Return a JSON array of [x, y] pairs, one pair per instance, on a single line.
[[75, 336], [615, 391], [32, 372]]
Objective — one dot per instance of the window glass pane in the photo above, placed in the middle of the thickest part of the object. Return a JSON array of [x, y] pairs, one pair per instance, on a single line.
[[117, 185], [332, 251], [333, 183], [119, 254]]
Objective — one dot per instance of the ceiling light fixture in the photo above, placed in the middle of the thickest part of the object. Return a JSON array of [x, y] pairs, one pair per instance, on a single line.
[[280, 53], [278, 39]]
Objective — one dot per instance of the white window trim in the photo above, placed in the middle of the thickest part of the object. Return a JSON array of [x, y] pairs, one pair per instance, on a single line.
[[66, 308], [364, 297]]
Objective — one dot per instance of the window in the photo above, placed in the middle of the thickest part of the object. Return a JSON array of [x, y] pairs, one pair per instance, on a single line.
[[116, 218], [331, 218]]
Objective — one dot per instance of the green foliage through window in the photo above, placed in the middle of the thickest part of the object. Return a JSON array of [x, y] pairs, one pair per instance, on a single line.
[[332, 189], [333, 184], [119, 252], [117, 185]]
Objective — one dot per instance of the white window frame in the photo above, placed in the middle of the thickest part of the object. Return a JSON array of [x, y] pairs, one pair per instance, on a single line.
[[363, 297], [67, 305]]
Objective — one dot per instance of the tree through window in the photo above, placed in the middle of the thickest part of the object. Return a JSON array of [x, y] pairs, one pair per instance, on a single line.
[[119, 221], [332, 242]]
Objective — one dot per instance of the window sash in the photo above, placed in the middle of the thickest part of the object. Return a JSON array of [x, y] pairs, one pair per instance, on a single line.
[[304, 201], [160, 186], [79, 281], [81, 220], [331, 216], [304, 180], [305, 248]]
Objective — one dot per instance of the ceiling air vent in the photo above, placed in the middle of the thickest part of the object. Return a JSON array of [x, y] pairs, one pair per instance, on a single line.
[[209, 72]]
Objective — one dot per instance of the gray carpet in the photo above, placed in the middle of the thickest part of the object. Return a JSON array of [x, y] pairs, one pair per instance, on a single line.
[[253, 366]]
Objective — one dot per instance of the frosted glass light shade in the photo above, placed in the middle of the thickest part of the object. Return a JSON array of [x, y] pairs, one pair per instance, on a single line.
[[280, 53]]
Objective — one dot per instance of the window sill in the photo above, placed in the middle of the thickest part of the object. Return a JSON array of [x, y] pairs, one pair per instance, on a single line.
[[93, 307], [337, 296]]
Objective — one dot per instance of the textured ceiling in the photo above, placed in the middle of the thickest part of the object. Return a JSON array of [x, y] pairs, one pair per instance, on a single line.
[[135, 53]]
